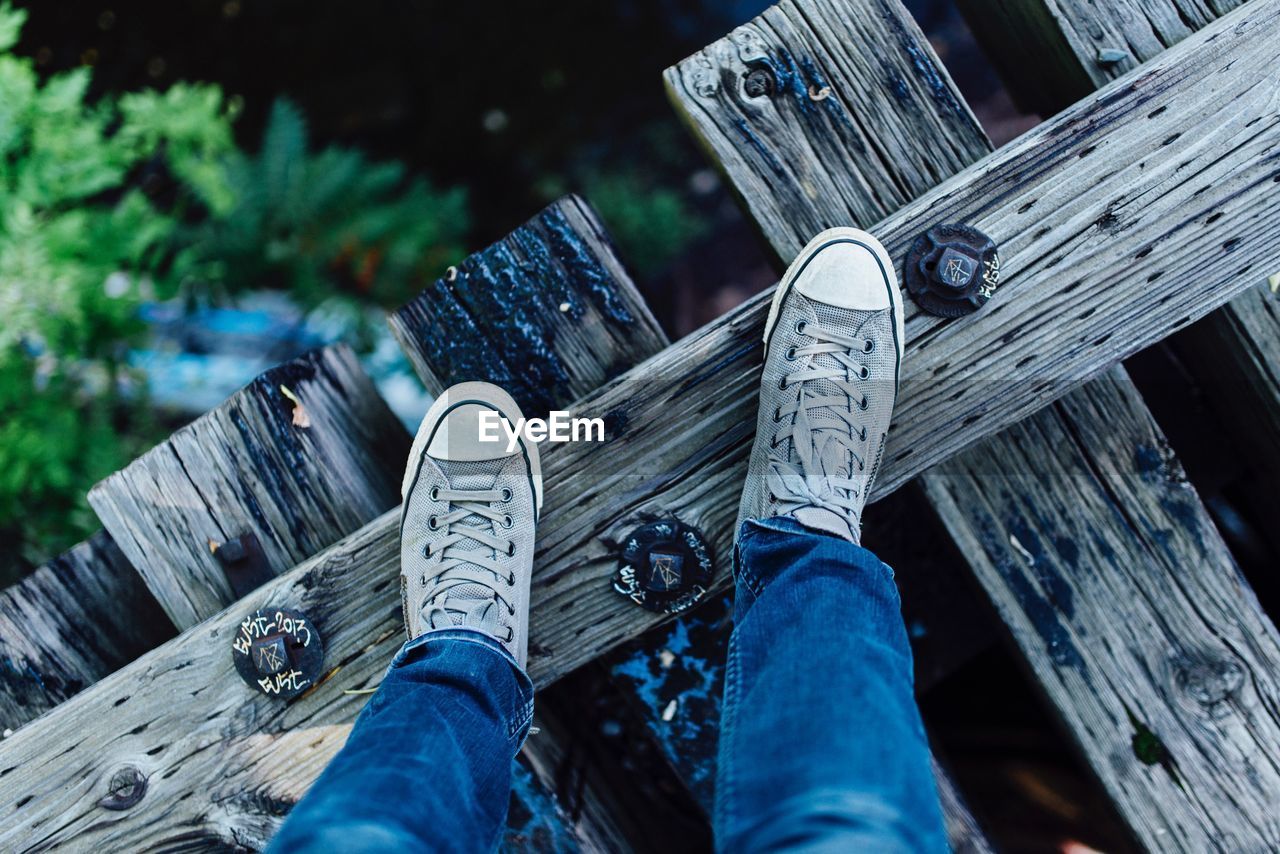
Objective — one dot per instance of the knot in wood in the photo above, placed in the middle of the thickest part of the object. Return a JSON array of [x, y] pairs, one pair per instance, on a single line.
[[758, 83], [1209, 680], [127, 787]]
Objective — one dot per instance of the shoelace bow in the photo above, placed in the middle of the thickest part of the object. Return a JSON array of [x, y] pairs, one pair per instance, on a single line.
[[454, 567], [823, 428]]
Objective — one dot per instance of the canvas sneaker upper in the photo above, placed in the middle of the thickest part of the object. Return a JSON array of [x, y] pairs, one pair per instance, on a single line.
[[467, 523], [833, 349]]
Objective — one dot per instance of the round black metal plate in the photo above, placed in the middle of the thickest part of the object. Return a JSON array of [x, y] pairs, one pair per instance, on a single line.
[[278, 651], [952, 270], [666, 566]]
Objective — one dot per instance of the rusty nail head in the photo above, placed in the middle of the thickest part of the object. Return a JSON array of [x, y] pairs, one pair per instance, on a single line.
[[758, 83]]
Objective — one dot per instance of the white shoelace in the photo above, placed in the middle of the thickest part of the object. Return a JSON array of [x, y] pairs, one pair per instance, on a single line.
[[825, 429], [458, 571]]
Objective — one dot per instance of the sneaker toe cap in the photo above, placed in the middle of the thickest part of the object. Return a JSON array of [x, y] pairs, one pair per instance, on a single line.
[[849, 274]]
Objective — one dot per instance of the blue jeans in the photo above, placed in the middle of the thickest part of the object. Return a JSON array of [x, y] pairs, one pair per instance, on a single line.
[[821, 745]]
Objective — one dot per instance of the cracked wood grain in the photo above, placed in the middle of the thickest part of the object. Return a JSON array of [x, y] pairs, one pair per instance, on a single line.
[[780, 134], [72, 621], [680, 424], [1122, 596], [254, 465]]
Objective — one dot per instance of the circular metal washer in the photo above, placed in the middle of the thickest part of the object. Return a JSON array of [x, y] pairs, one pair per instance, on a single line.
[[278, 651], [665, 566], [952, 270]]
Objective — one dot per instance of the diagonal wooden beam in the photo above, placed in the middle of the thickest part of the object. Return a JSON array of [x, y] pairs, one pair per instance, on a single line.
[[1234, 353], [1072, 203], [1051, 53], [301, 456], [1128, 606], [750, 133]]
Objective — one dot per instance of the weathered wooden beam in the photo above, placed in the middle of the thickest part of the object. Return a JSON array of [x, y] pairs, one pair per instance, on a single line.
[[548, 313], [680, 430], [74, 620], [825, 112], [1051, 53], [301, 456], [1122, 596], [1234, 353]]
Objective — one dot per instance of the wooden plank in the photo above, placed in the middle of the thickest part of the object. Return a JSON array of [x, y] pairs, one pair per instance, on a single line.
[[812, 128], [1122, 596], [74, 620], [680, 431], [304, 454], [1234, 353], [548, 313], [1051, 53]]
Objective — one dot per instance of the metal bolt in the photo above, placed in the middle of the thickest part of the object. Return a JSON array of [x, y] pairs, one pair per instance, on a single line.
[[758, 83], [279, 652], [952, 270], [665, 566]]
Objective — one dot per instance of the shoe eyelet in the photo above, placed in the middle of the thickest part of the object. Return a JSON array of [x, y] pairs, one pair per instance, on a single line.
[[510, 612], [433, 523], [511, 549], [507, 521], [434, 494], [800, 327], [511, 579], [790, 355], [506, 494], [777, 414], [426, 550], [863, 405], [863, 435], [782, 384], [511, 633], [864, 373], [868, 346]]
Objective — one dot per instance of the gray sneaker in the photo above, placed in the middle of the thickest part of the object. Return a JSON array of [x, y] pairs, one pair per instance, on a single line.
[[466, 527], [833, 346]]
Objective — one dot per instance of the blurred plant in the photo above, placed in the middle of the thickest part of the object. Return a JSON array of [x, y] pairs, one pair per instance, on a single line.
[[653, 223], [106, 205], [325, 221]]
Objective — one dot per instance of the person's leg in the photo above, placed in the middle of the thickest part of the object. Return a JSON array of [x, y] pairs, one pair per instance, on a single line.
[[428, 764], [821, 742], [821, 745]]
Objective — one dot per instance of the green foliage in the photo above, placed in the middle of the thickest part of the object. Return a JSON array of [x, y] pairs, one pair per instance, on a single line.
[[316, 222], [105, 205], [652, 223]]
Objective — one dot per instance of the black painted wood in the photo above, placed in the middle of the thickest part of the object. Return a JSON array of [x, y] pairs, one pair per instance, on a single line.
[[1128, 606], [548, 313]]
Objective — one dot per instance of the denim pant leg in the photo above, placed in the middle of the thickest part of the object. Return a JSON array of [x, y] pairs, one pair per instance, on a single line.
[[427, 766], [821, 744]]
